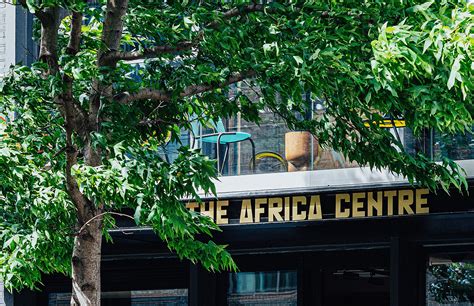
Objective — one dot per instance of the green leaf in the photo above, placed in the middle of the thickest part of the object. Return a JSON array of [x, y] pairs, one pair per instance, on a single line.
[[298, 59], [454, 71], [427, 44], [137, 215]]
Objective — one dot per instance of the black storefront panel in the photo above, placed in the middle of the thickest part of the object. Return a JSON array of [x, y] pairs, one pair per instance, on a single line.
[[323, 206], [353, 247]]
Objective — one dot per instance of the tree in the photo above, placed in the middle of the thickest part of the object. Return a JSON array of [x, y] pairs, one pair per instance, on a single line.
[[89, 119]]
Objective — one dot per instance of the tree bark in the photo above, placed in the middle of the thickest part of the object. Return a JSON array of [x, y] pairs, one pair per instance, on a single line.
[[86, 257], [86, 261], [49, 38]]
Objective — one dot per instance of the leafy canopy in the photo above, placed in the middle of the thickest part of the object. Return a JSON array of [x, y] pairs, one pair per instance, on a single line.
[[174, 64]]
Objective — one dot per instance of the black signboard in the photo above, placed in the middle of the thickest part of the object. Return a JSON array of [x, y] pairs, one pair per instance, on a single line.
[[340, 205]]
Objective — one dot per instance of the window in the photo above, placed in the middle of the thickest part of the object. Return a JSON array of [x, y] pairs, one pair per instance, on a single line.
[[450, 280], [164, 297], [276, 288], [457, 147]]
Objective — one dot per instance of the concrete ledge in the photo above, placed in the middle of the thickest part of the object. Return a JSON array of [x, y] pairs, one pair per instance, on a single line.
[[313, 181]]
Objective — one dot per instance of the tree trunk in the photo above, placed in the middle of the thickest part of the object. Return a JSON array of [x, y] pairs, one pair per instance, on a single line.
[[86, 265], [86, 255], [48, 52]]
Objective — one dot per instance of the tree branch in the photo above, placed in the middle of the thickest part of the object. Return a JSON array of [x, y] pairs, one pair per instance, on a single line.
[[149, 52], [43, 16], [111, 36], [100, 215], [113, 28], [234, 78], [184, 45], [75, 35], [79, 200], [77, 114], [143, 94], [237, 11], [50, 20], [160, 95], [49, 39]]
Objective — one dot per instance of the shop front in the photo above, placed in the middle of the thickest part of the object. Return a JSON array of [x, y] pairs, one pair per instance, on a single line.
[[370, 245], [379, 246]]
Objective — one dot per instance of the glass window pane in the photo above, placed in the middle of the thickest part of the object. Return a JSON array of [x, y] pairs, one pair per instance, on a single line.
[[457, 147], [163, 297], [59, 299], [356, 286], [450, 280], [168, 297], [276, 288]]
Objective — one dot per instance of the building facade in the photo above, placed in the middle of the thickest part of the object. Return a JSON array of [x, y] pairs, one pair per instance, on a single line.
[[304, 225], [16, 37]]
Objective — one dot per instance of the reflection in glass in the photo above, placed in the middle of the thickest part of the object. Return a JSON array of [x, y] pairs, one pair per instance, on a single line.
[[163, 297], [456, 147], [276, 288], [450, 283], [356, 287], [278, 149], [168, 151]]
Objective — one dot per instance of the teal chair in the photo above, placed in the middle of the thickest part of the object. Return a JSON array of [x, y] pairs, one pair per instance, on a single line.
[[222, 137]]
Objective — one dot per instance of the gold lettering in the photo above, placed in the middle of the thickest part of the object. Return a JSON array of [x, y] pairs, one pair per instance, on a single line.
[[259, 210], [420, 201], [374, 204], [315, 208], [358, 205], [390, 195], [297, 201], [339, 212], [192, 206], [210, 212], [405, 200], [287, 209], [275, 207], [246, 215], [221, 213]]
